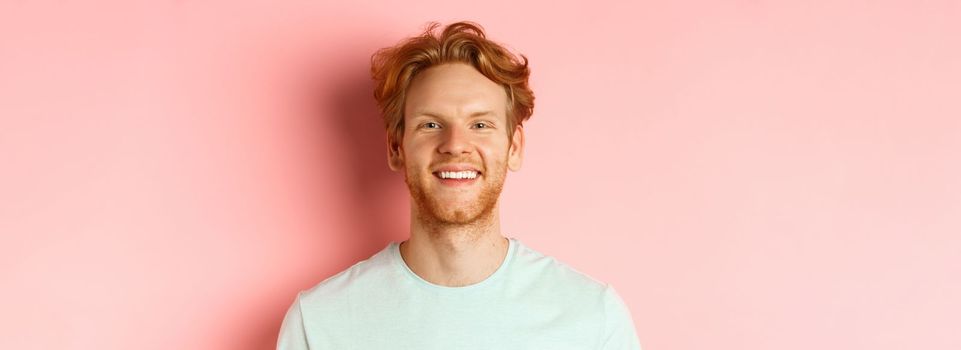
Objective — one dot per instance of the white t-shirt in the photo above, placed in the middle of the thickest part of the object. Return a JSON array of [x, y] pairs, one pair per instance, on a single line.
[[532, 301]]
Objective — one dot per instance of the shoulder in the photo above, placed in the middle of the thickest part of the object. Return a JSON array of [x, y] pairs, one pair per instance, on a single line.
[[372, 272], [550, 273], [593, 300]]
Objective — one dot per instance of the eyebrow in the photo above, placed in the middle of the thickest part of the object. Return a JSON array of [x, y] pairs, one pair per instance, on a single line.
[[437, 115]]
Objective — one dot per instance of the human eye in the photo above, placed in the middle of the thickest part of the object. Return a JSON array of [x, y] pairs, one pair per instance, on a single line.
[[430, 125], [482, 125]]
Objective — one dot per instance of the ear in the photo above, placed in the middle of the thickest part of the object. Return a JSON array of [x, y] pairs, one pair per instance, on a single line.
[[515, 155], [395, 155]]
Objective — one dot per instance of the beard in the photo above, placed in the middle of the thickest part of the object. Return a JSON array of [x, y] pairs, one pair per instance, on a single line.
[[434, 212]]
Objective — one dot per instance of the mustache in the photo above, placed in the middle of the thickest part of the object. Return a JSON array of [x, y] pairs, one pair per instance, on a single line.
[[457, 162]]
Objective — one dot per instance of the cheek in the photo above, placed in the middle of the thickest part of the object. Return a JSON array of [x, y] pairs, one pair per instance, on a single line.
[[417, 157], [496, 149]]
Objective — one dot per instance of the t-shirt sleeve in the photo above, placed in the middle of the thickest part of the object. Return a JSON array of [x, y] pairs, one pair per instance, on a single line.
[[292, 334], [619, 332]]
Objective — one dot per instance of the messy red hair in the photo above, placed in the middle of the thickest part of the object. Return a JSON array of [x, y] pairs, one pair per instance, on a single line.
[[393, 68]]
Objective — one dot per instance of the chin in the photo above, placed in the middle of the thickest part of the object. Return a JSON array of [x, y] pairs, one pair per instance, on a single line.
[[455, 214], [463, 215]]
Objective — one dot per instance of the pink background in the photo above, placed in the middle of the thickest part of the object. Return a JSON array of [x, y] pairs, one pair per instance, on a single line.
[[748, 175]]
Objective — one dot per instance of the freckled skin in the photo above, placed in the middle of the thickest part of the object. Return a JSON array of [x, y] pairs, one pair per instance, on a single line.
[[441, 127]]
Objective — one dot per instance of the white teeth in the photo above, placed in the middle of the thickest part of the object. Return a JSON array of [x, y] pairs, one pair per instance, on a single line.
[[458, 174]]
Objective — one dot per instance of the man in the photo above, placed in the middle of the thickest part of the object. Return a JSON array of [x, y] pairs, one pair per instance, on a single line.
[[453, 105]]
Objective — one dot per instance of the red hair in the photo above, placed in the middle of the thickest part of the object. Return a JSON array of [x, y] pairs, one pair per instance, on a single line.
[[393, 68]]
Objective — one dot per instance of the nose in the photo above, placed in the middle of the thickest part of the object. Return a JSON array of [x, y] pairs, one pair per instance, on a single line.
[[455, 141]]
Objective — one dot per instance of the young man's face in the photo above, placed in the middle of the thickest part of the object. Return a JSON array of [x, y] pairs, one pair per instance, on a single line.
[[456, 126]]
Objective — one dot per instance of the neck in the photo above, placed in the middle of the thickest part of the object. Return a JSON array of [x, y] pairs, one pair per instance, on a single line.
[[454, 255]]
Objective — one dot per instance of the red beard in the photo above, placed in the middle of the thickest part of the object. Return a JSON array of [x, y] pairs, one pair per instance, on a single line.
[[435, 213]]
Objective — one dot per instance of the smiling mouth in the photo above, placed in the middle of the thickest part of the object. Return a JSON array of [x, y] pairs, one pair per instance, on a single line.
[[457, 178], [457, 175]]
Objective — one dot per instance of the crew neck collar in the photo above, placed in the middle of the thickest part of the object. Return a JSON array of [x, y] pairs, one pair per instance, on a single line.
[[398, 261]]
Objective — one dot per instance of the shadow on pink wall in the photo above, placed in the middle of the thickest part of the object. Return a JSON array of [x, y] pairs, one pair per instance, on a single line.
[[339, 96]]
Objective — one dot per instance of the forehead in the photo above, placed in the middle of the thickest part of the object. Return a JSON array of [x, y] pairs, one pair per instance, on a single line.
[[454, 90]]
